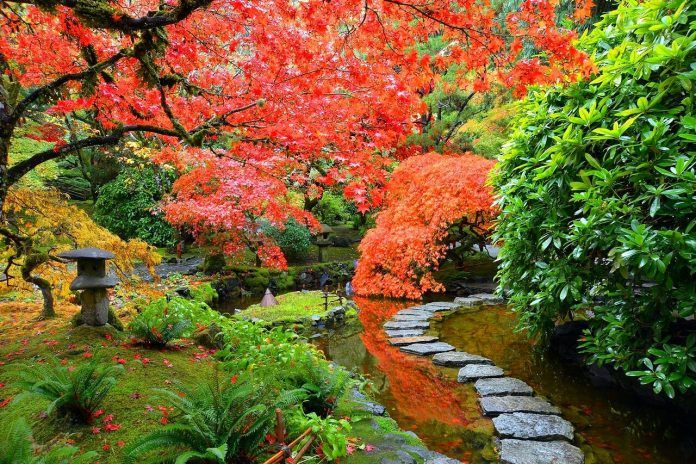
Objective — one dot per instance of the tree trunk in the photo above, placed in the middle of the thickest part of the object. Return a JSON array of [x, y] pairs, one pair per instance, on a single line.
[[31, 262]]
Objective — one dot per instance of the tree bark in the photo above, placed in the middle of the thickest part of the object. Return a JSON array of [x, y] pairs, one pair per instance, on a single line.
[[31, 261]]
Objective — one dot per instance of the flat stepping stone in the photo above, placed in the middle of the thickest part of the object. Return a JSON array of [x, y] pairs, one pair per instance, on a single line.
[[539, 452], [526, 426], [505, 386], [459, 359], [423, 317], [496, 405], [415, 312], [425, 349], [472, 372], [467, 301], [442, 305], [403, 325], [403, 341], [404, 333], [487, 298]]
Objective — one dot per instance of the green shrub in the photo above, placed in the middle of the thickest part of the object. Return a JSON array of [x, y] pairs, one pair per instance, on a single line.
[[332, 209], [204, 293], [170, 318], [330, 432], [223, 421], [16, 447], [294, 239], [73, 392], [596, 192], [127, 206]]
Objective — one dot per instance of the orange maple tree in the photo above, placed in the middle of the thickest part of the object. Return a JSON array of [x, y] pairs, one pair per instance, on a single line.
[[427, 197], [250, 100]]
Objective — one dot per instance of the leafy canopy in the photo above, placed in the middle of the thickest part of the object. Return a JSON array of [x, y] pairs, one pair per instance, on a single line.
[[596, 193], [429, 198]]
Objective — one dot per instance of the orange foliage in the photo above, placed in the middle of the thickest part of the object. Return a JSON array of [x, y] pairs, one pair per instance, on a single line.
[[426, 196]]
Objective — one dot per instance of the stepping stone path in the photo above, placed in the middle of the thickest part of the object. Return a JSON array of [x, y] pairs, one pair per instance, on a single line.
[[530, 428]]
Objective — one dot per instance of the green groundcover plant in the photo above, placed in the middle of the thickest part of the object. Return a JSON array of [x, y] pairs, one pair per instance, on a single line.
[[596, 190], [16, 447]]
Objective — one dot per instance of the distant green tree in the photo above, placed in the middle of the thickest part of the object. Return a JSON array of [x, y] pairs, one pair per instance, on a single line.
[[127, 206], [596, 196], [294, 239]]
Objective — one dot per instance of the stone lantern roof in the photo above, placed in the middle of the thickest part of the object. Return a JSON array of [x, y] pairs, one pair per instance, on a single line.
[[87, 253], [91, 268]]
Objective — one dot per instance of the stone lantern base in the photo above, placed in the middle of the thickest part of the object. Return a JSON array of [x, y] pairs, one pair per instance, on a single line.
[[95, 306]]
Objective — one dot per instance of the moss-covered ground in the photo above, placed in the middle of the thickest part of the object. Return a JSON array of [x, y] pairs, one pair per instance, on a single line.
[[293, 307]]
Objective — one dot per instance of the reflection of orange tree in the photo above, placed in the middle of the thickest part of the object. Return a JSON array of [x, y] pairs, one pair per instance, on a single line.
[[420, 393]]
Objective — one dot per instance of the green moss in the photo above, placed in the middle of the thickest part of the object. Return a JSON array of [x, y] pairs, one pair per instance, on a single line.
[[292, 307]]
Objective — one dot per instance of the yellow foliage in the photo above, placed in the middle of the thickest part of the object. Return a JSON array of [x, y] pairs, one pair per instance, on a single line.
[[56, 226]]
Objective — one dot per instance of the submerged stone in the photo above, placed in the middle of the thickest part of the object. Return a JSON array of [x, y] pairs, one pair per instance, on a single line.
[[496, 405], [396, 325], [459, 359], [526, 426], [472, 372], [402, 341], [539, 452], [505, 386], [424, 349], [404, 333]]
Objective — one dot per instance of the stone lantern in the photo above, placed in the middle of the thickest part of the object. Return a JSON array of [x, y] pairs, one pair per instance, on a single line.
[[93, 281], [323, 240]]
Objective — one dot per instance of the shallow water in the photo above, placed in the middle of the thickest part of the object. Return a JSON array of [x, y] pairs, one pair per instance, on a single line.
[[612, 426]]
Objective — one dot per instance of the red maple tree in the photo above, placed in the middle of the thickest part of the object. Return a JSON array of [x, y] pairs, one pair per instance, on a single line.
[[426, 197], [252, 100]]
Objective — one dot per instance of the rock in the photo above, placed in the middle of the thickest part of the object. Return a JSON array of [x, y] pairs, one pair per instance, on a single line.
[[402, 341], [539, 452], [425, 349], [416, 312], [366, 405], [210, 337], [404, 333], [472, 372], [442, 305], [395, 325], [183, 292], [459, 359], [441, 459], [525, 426], [402, 457], [423, 317], [467, 301], [506, 386], [487, 298], [495, 405]]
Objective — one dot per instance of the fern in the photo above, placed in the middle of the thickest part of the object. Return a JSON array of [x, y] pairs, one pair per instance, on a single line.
[[16, 448], [217, 422], [75, 394]]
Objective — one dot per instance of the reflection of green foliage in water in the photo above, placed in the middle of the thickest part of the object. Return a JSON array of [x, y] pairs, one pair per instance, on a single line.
[[611, 425]]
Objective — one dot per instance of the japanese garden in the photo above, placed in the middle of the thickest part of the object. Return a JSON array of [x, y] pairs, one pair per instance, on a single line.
[[350, 231]]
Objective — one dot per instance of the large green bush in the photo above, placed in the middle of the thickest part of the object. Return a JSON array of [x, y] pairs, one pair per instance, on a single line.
[[294, 239], [333, 209], [596, 192], [127, 206]]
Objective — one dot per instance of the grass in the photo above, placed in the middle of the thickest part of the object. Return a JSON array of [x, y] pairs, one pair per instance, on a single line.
[[292, 307]]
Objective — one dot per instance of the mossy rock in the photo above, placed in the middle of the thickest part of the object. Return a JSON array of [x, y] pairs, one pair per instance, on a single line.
[[213, 263]]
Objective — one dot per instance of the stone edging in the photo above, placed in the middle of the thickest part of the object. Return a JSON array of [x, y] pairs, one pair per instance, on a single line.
[[530, 428]]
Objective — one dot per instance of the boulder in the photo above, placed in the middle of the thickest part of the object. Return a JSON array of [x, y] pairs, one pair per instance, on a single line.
[[467, 301], [487, 298]]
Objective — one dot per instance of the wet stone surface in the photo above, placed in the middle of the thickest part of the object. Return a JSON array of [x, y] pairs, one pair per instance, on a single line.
[[496, 405], [442, 305], [504, 386], [488, 298], [539, 452], [423, 316], [473, 372], [425, 349], [404, 333], [402, 341], [404, 325], [526, 426], [459, 359]]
